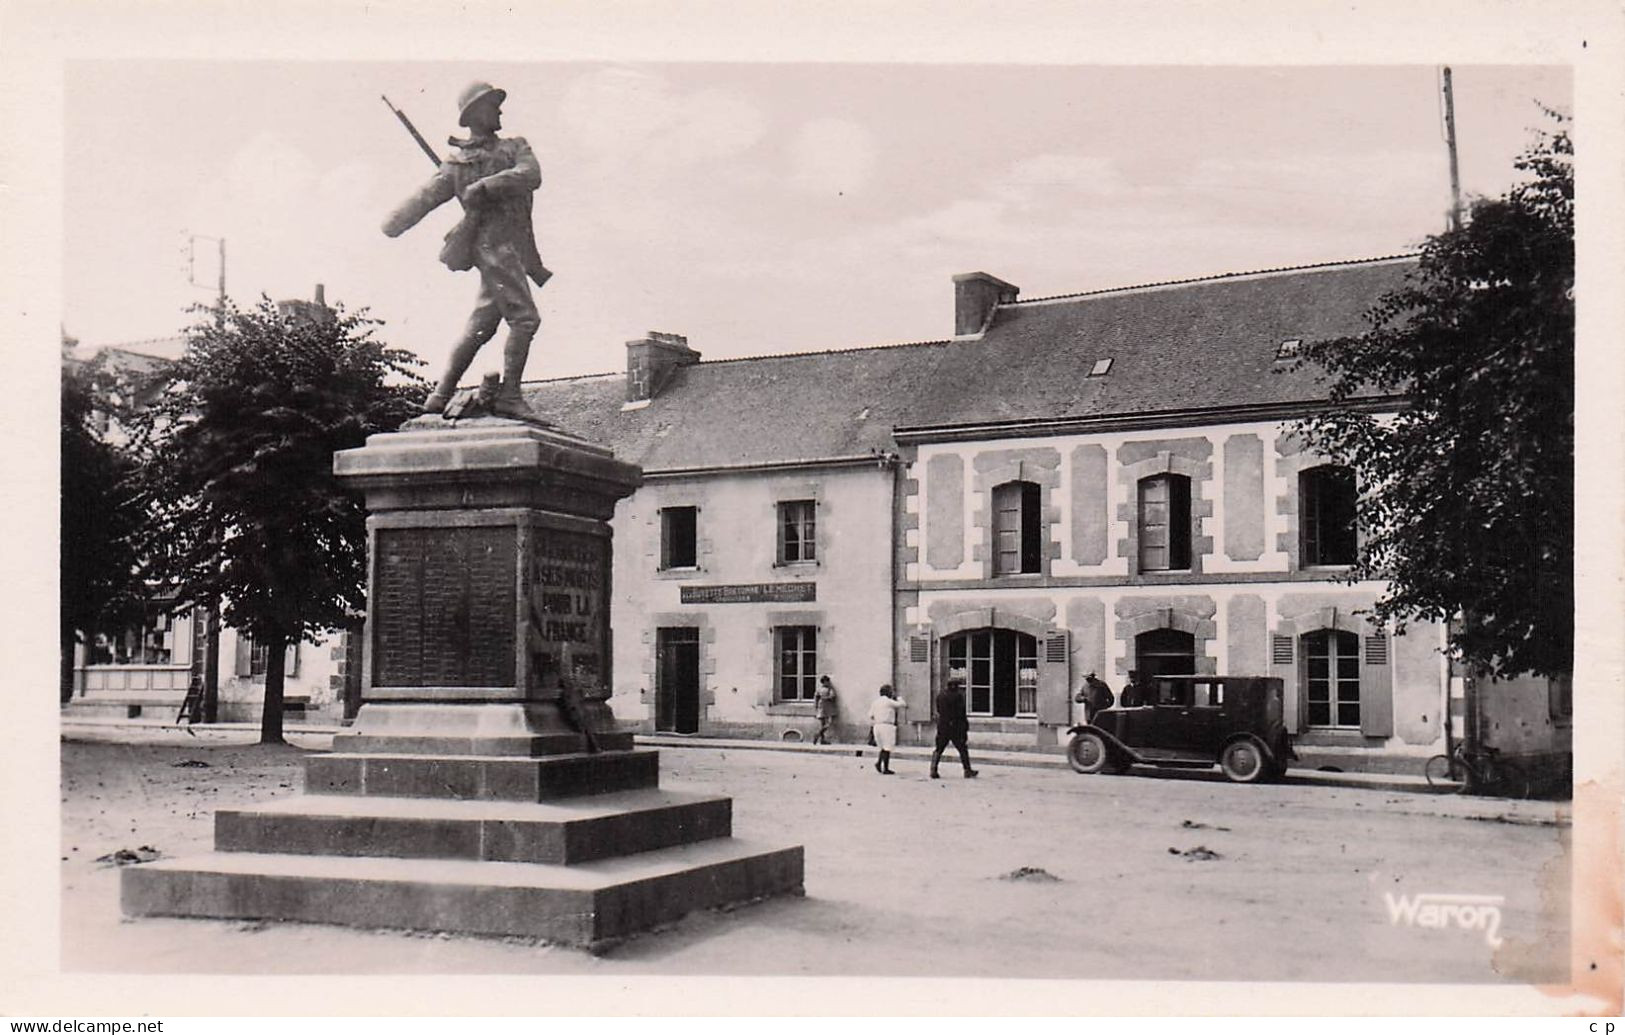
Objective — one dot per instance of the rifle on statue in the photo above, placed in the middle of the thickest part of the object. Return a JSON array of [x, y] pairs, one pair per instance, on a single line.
[[414, 131], [460, 241]]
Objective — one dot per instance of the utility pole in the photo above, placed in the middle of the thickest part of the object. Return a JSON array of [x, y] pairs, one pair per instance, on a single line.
[[211, 642], [1449, 139], [220, 283]]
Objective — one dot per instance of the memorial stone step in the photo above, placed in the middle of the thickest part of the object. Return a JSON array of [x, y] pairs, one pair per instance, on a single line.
[[589, 905], [567, 832]]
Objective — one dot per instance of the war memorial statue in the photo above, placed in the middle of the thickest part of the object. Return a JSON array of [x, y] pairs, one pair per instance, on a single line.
[[484, 786], [493, 177]]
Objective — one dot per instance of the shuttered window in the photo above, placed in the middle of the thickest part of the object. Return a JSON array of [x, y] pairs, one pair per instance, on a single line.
[[1017, 529], [1000, 670], [1165, 523], [1332, 678]]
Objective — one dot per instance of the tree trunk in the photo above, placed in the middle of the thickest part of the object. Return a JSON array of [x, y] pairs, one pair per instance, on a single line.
[[211, 666], [65, 667], [276, 663]]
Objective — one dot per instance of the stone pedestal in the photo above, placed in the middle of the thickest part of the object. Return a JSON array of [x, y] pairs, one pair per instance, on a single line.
[[483, 787]]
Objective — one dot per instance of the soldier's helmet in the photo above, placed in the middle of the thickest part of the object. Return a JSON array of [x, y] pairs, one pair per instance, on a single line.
[[472, 94]]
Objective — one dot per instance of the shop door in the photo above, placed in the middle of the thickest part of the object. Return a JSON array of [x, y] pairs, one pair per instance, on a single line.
[[677, 680]]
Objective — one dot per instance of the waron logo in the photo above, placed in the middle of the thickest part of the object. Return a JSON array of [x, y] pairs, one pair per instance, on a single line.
[[1436, 911]]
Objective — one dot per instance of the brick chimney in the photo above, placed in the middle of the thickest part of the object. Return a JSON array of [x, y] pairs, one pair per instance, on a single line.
[[976, 295], [650, 362], [314, 312]]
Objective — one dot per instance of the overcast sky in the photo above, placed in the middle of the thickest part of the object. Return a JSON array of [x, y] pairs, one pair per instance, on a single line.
[[756, 208]]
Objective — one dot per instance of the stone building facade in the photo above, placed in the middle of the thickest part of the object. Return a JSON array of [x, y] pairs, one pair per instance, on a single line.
[[1103, 483]]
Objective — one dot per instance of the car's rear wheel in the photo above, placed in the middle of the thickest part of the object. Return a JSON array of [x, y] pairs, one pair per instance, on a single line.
[[1243, 761], [1088, 753]]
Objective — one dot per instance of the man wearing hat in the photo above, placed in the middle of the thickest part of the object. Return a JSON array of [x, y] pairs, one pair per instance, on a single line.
[[494, 179]]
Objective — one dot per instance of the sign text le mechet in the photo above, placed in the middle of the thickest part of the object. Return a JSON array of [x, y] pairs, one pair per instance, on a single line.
[[750, 593]]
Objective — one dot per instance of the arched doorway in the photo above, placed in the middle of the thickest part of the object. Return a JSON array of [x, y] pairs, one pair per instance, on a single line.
[[1000, 670], [1164, 652]]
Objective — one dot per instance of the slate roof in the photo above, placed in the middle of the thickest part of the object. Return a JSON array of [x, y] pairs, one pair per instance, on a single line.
[[1197, 345], [1176, 348], [746, 412]]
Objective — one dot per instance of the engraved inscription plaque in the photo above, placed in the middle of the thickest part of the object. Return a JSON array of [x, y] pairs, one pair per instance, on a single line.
[[568, 579], [443, 607]]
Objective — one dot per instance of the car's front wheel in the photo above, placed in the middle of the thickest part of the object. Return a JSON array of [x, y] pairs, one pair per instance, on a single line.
[[1088, 753], [1244, 762]]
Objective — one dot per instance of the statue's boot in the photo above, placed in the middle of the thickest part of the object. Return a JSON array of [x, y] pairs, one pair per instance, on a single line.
[[510, 402], [461, 357]]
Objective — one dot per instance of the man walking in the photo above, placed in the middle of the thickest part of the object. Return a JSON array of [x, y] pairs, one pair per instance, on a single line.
[[952, 726], [494, 179]]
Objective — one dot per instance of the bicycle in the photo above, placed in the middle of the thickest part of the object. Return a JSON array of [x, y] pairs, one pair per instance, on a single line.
[[1477, 772]]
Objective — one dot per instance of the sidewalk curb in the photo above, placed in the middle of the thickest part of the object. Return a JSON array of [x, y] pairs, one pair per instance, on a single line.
[[1028, 760], [1445, 804]]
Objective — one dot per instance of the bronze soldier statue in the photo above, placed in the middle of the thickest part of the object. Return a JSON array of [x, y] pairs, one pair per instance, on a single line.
[[494, 178]]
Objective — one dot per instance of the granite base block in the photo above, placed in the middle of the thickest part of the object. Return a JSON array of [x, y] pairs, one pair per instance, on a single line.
[[481, 778]]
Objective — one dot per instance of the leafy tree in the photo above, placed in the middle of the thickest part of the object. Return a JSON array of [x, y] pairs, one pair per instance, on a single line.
[[238, 471], [100, 591], [1467, 502]]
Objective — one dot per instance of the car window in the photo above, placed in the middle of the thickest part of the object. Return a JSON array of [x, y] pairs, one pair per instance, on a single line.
[[1173, 694], [1207, 695]]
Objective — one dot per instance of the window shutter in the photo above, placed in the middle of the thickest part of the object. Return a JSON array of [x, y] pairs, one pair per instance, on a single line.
[[1376, 650], [1280, 650], [1376, 698], [243, 662], [1179, 522], [914, 680], [1054, 680], [290, 661]]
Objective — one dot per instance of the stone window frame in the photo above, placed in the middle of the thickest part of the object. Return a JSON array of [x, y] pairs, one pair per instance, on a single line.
[[670, 497], [796, 492], [783, 521], [1342, 619], [767, 697], [1303, 473], [1292, 458], [1048, 480], [975, 620], [1129, 476], [1203, 632], [779, 633]]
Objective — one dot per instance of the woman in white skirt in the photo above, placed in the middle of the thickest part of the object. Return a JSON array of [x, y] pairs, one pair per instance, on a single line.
[[883, 713]]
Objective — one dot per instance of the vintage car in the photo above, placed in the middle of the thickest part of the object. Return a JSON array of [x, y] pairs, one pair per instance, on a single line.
[[1191, 722]]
